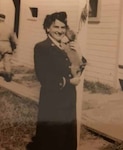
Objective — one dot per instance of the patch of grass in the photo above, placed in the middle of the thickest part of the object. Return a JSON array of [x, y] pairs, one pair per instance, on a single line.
[[21, 69], [26, 76], [18, 117], [30, 77], [87, 134], [98, 87], [115, 146]]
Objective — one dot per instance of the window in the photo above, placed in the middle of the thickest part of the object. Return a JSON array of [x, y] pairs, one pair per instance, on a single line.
[[34, 11], [94, 11]]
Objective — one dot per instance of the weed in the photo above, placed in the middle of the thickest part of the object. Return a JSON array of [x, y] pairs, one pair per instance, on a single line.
[[98, 87], [115, 146], [21, 69]]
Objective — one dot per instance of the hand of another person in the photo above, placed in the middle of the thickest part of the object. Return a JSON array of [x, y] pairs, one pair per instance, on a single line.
[[75, 80], [74, 45]]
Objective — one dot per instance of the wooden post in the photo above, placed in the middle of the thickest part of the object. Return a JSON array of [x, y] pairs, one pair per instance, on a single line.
[[82, 35]]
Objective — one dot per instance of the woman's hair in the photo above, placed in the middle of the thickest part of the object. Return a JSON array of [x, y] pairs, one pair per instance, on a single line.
[[49, 19]]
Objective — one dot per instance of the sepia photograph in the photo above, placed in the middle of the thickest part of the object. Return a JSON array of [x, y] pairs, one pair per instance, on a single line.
[[61, 75]]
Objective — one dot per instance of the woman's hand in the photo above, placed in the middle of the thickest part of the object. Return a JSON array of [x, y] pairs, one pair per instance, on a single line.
[[75, 81], [74, 70]]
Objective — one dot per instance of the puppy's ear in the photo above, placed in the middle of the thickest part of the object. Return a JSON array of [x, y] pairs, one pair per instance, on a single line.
[[70, 35]]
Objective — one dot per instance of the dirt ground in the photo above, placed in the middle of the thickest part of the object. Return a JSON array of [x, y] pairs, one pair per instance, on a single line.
[[17, 125]]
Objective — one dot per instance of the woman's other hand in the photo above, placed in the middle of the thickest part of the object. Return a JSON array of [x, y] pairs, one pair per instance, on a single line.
[[75, 81]]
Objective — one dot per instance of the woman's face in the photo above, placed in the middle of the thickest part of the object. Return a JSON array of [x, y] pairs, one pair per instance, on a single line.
[[57, 30]]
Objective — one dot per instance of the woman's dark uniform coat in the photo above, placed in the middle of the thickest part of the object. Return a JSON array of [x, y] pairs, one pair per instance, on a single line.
[[56, 128]]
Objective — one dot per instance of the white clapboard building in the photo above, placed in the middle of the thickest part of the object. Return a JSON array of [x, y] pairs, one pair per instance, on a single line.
[[104, 46]]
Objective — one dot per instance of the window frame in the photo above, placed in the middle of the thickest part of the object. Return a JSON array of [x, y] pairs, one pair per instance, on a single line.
[[95, 19]]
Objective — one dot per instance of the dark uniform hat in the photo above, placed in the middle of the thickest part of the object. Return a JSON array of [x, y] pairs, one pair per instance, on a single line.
[[2, 16], [62, 16]]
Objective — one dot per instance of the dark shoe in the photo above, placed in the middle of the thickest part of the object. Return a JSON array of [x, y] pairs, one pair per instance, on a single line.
[[29, 146], [32, 146], [7, 76]]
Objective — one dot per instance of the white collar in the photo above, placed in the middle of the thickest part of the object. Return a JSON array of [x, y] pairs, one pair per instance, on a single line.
[[55, 42]]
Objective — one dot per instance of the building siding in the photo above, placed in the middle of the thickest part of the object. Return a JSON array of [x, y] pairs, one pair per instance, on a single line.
[[102, 44], [31, 29]]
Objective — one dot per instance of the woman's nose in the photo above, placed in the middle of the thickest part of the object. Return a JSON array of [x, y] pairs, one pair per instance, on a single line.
[[60, 30]]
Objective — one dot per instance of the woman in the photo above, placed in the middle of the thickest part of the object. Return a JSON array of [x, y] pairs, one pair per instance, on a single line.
[[56, 127]]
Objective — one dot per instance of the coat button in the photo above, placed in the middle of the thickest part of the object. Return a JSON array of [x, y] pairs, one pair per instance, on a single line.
[[60, 84], [70, 75], [52, 44]]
